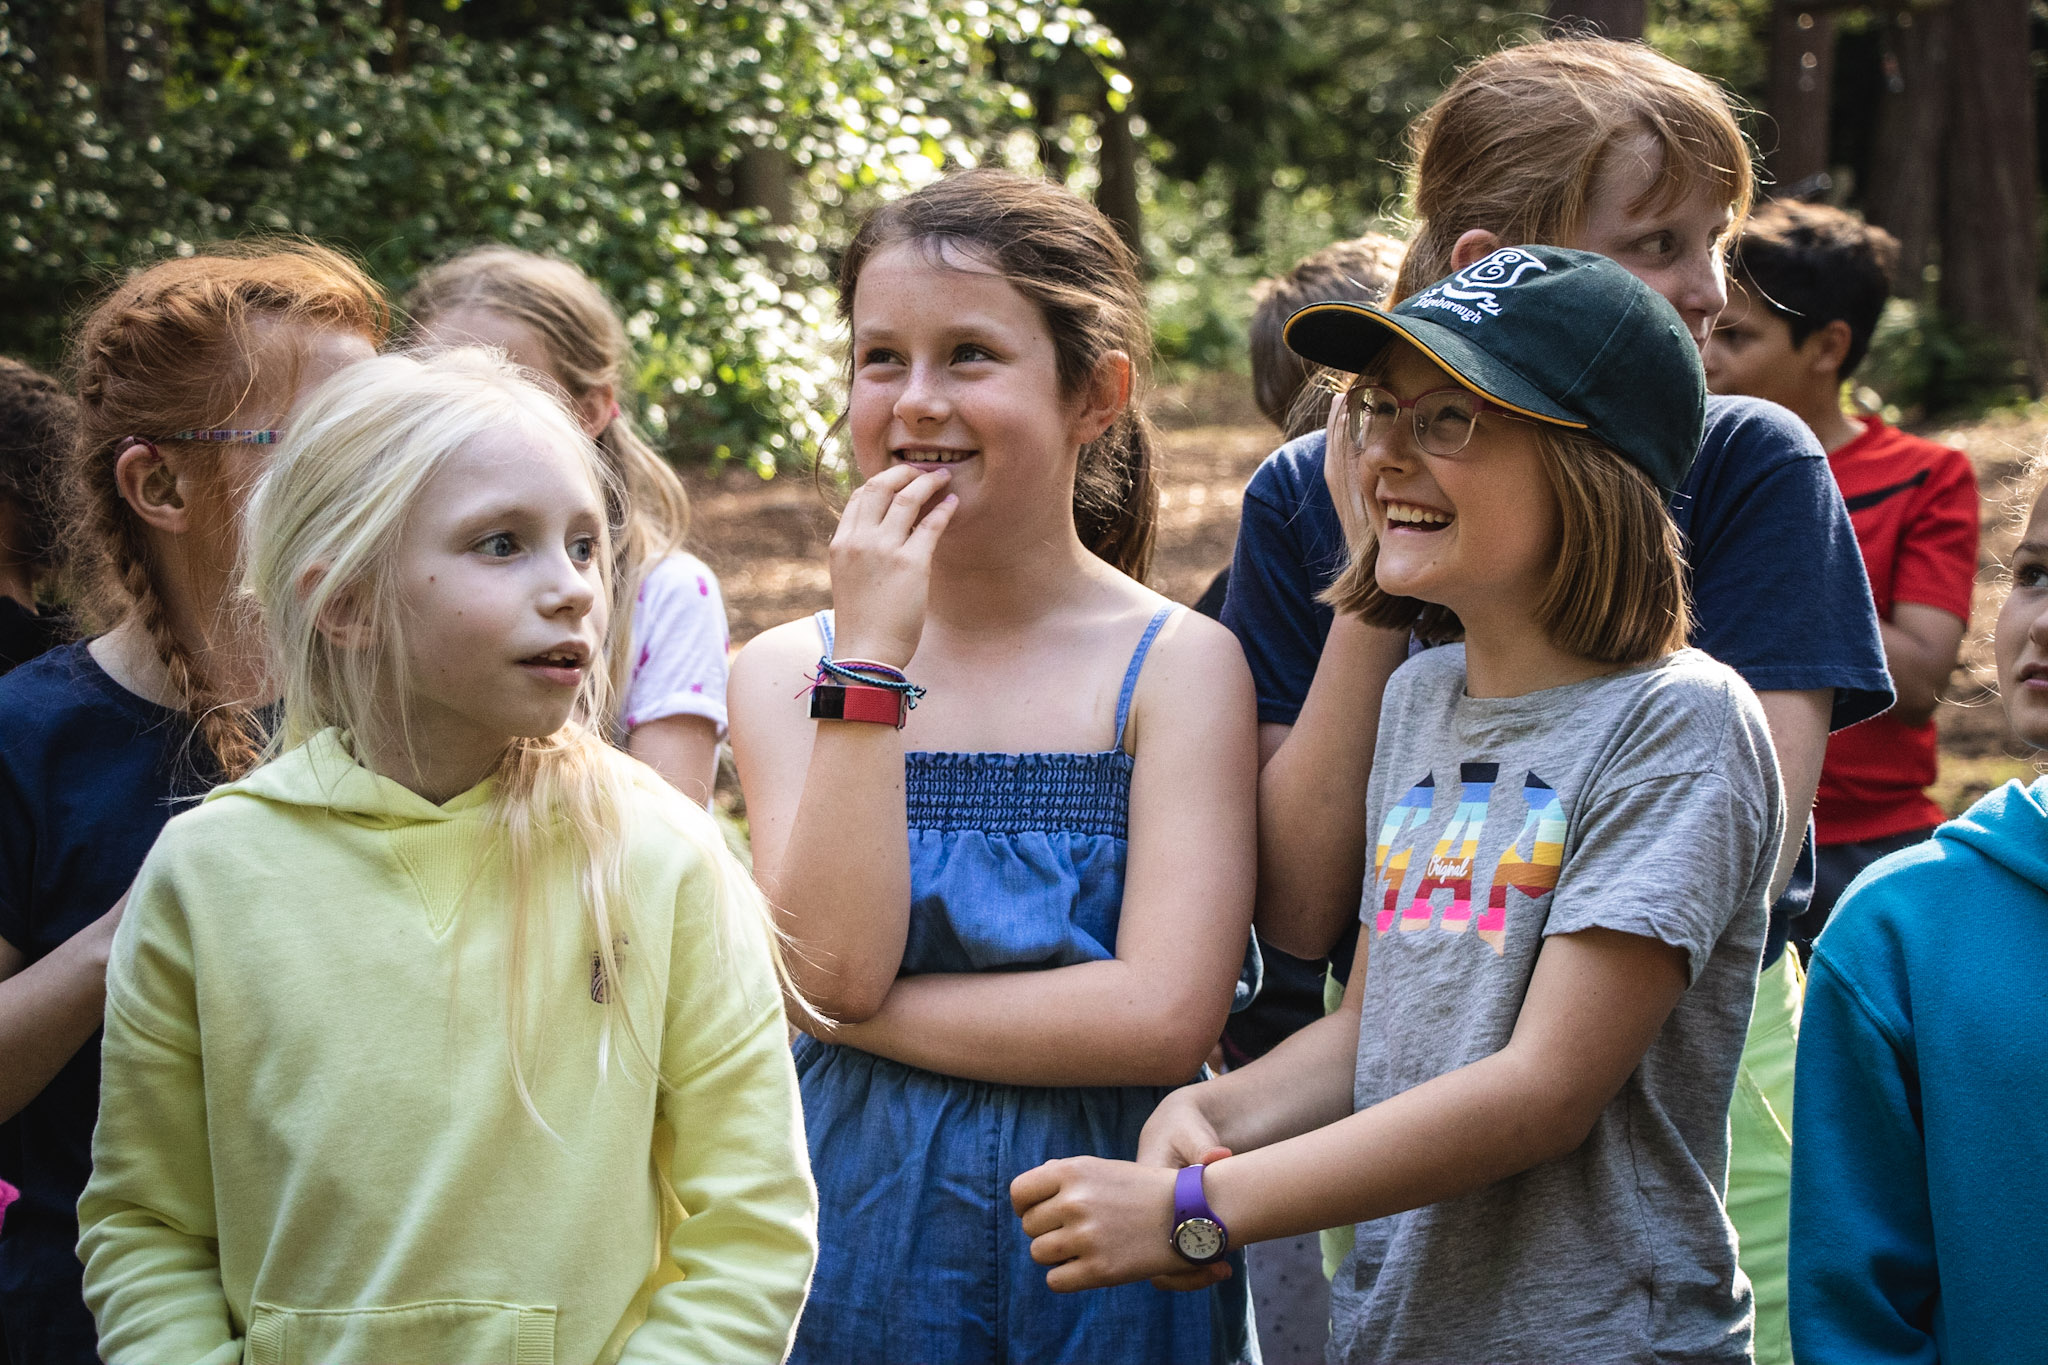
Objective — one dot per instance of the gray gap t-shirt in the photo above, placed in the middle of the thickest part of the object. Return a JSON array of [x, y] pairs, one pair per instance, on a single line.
[[1645, 801]]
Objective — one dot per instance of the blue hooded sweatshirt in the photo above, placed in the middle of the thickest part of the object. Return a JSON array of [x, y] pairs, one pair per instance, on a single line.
[[1920, 1168]]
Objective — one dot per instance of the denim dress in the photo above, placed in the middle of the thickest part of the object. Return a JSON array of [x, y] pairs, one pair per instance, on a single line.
[[1016, 864]]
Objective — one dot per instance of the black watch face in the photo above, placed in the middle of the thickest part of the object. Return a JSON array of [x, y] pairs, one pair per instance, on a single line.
[[1199, 1239]]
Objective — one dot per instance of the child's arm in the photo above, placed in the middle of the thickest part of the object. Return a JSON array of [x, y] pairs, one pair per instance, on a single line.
[[1163, 998], [147, 1221], [1864, 1281], [1660, 866], [825, 801], [1595, 1003], [731, 1139], [1931, 588], [51, 1008], [1312, 833]]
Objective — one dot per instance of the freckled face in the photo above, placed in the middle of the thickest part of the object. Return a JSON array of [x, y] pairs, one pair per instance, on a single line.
[[1676, 249], [953, 367]]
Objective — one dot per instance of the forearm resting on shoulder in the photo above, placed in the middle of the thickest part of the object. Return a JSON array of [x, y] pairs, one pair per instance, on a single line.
[[1312, 834]]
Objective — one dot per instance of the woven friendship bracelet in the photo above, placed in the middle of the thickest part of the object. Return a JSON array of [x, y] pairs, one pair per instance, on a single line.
[[863, 673]]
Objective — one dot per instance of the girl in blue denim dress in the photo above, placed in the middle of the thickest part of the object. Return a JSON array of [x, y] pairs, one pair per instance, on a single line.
[[1002, 795]]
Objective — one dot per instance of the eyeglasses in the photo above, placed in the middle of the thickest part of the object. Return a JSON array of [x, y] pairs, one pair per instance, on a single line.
[[1443, 417]]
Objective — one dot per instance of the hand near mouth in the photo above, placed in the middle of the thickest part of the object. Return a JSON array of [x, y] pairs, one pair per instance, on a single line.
[[881, 559], [1342, 475]]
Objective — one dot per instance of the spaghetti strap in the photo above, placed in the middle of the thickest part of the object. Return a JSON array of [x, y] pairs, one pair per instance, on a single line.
[[1130, 687], [824, 620]]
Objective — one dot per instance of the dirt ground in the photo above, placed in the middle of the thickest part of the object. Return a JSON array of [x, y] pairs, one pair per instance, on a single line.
[[766, 541]]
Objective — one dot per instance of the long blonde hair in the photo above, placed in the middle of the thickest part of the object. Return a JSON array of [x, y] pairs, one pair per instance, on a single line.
[[586, 349], [324, 527]]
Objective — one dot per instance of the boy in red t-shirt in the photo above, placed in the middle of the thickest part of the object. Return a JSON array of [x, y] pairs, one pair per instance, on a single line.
[[1809, 283]]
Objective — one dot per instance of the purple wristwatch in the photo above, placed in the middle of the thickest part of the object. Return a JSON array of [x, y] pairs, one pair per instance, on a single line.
[[1198, 1234]]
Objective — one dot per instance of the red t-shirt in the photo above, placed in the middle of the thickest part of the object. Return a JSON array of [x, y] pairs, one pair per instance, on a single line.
[[1914, 506]]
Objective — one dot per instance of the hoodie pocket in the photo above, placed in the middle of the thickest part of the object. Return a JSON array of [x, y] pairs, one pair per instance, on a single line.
[[457, 1331]]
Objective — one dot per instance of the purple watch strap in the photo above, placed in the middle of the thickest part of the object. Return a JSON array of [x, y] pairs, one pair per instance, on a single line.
[[1188, 1199]]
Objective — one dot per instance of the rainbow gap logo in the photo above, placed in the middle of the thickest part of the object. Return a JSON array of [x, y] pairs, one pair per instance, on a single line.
[[1529, 864]]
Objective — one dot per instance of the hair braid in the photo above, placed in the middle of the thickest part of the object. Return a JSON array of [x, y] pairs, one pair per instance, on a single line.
[[169, 348]]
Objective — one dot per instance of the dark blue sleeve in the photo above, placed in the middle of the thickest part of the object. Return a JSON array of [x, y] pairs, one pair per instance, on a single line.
[[17, 850], [1779, 593], [1289, 548]]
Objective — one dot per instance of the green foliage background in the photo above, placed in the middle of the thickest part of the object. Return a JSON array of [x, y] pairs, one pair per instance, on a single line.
[[621, 134], [605, 137]]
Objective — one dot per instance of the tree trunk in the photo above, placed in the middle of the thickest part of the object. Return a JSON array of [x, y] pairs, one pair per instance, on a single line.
[[1117, 195], [1802, 71], [1046, 113], [401, 38], [764, 178], [1615, 18], [1989, 213], [1912, 124]]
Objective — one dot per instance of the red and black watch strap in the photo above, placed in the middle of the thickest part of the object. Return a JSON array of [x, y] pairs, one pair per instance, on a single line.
[[845, 701]]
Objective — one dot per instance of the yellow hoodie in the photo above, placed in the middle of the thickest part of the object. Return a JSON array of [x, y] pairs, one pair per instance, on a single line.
[[310, 1147]]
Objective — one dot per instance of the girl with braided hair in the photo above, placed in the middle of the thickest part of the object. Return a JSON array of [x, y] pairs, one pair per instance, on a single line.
[[184, 372]]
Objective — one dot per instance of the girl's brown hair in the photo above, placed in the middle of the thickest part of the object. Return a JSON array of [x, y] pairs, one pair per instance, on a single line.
[[1515, 144], [168, 349], [587, 349], [1616, 591], [1061, 253]]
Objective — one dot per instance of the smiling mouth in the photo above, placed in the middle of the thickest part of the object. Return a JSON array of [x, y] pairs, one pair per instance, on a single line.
[[1407, 516], [930, 455]]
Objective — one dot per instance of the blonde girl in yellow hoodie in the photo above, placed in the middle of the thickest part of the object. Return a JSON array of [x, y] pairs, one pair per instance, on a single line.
[[449, 1034]]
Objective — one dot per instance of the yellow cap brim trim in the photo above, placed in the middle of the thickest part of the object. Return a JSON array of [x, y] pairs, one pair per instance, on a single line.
[[1394, 326]]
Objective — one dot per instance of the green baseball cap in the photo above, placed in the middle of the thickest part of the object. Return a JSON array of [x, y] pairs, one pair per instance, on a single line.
[[1559, 336]]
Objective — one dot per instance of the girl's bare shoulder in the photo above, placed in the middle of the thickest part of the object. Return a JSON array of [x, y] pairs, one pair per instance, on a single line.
[[781, 651]]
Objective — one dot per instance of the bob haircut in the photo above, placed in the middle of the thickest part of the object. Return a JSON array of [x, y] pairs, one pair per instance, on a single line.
[[1517, 142], [1616, 590]]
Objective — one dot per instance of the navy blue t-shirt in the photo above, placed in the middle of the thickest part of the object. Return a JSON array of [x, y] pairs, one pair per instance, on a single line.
[[1778, 588], [89, 773]]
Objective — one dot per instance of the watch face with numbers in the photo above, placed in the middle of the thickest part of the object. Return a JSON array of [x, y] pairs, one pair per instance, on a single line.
[[1199, 1239]]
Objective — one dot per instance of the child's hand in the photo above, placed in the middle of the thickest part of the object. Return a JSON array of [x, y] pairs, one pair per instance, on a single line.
[[1099, 1223], [1178, 1134], [881, 559], [1342, 475]]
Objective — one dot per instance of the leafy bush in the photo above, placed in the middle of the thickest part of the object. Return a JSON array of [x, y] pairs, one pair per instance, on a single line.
[[616, 141], [1925, 366]]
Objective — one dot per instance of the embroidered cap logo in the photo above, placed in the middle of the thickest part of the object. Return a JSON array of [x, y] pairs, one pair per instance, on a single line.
[[1477, 284]]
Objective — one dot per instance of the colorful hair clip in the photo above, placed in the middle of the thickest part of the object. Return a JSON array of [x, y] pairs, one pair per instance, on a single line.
[[232, 436]]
